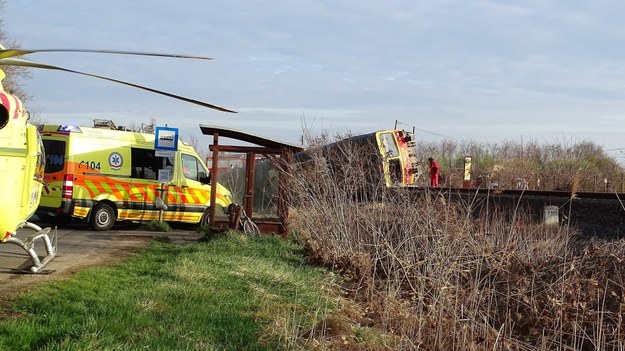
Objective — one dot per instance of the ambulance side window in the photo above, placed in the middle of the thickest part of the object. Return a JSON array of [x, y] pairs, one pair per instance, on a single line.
[[145, 164], [189, 167], [55, 155]]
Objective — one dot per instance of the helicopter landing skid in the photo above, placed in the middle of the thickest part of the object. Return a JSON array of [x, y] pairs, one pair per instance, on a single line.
[[28, 245]]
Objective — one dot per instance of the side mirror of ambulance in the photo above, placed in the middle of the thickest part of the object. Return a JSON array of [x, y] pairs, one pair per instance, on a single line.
[[204, 179]]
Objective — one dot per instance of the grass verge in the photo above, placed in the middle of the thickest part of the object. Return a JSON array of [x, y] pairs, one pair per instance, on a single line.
[[231, 292], [156, 226]]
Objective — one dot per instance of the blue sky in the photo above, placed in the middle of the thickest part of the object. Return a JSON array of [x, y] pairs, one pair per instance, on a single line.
[[486, 71]]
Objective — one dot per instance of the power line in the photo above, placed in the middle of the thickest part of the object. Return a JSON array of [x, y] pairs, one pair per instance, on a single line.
[[423, 130], [433, 133]]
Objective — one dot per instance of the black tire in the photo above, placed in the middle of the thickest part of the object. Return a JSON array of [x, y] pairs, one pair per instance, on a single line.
[[102, 217], [204, 221]]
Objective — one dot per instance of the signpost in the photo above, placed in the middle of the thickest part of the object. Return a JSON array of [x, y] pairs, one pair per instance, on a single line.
[[166, 138], [165, 145], [466, 181], [165, 141]]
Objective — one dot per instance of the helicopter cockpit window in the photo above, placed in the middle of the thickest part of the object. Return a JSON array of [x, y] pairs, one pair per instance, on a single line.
[[145, 164], [4, 117], [55, 155]]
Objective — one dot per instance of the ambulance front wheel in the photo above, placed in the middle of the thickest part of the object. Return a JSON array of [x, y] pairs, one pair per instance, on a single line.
[[205, 218], [102, 217]]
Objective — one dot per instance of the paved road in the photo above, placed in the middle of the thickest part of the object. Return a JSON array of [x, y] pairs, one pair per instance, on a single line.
[[78, 247]]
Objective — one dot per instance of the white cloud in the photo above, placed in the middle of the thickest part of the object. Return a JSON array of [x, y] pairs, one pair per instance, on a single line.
[[465, 69]]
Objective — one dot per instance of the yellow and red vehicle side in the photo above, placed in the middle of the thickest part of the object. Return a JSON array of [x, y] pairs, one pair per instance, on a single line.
[[21, 165], [391, 155], [406, 144], [97, 169], [397, 148]]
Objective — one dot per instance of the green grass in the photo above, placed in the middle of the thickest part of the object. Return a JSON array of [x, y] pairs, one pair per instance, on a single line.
[[156, 226], [231, 292]]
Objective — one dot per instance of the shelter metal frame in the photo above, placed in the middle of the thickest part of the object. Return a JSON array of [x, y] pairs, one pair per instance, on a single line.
[[264, 146]]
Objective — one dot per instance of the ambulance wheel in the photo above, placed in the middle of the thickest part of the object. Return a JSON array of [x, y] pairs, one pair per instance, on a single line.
[[205, 218], [102, 217]]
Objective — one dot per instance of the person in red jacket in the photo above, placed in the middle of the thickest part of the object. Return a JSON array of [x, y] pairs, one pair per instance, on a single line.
[[434, 172]]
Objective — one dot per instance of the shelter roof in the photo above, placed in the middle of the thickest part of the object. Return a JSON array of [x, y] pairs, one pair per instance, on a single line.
[[247, 137]]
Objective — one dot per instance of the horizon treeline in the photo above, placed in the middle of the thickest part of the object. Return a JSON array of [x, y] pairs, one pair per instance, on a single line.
[[583, 165]]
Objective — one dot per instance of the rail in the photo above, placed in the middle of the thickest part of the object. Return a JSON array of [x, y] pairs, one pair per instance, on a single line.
[[595, 183]]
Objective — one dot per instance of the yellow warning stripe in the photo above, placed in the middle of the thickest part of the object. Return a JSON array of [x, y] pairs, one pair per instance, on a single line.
[[91, 188], [150, 192], [127, 214], [81, 211], [143, 192], [106, 188]]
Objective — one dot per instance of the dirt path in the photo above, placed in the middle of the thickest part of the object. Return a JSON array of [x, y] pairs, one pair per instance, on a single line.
[[78, 248]]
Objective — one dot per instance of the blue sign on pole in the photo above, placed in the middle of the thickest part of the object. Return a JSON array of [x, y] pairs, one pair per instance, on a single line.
[[166, 139]]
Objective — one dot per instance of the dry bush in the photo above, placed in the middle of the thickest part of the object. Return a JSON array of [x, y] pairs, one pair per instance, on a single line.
[[437, 274], [510, 164]]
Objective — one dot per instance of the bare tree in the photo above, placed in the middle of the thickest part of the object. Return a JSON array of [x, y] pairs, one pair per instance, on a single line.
[[195, 143], [14, 75]]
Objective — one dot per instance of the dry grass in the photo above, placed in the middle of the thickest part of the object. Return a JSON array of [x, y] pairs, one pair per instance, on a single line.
[[512, 164], [432, 274]]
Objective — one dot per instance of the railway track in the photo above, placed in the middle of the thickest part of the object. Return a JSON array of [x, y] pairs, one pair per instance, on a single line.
[[538, 193]]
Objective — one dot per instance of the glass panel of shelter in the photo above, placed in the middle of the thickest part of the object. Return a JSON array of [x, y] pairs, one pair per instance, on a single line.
[[231, 173]]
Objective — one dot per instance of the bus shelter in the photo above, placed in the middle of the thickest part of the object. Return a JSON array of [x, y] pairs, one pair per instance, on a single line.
[[256, 176]]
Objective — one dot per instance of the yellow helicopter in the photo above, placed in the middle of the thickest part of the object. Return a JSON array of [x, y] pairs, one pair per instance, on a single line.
[[22, 157], [21, 177]]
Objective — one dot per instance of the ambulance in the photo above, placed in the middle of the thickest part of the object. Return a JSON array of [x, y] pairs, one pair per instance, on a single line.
[[104, 175]]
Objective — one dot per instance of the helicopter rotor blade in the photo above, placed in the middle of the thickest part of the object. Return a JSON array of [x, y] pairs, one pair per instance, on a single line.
[[7, 53], [26, 63]]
